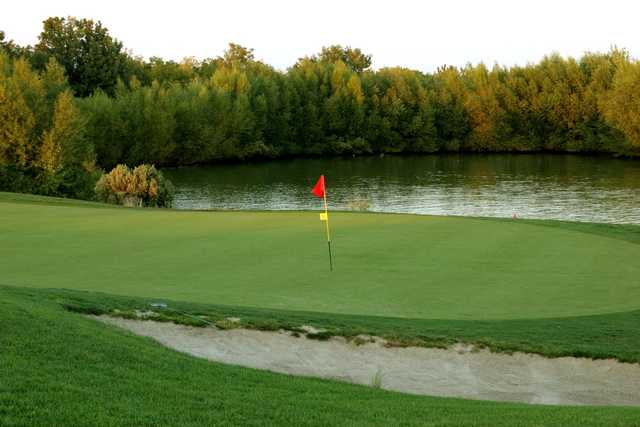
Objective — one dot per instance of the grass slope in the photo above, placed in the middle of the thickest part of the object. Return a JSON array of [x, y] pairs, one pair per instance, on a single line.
[[57, 368], [602, 336], [387, 265]]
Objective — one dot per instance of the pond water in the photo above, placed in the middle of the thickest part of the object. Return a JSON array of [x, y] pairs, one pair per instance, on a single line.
[[569, 187]]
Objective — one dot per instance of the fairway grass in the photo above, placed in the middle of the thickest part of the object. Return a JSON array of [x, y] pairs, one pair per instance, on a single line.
[[59, 368], [419, 267]]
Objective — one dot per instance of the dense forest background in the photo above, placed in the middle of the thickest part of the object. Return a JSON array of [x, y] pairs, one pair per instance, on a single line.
[[78, 102]]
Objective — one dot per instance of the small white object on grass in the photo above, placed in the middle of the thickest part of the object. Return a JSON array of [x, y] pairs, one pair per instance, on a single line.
[[158, 304]]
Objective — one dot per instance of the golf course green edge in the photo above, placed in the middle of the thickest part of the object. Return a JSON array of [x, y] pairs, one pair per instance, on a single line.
[[608, 336], [101, 259], [386, 265]]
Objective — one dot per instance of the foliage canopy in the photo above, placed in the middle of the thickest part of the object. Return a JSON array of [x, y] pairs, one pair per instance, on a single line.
[[233, 107]]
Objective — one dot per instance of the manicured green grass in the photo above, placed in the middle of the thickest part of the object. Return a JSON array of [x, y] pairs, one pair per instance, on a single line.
[[541, 286], [58, 368], [386, 265]]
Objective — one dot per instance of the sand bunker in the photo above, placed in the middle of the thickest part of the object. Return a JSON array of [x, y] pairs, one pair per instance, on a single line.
[[455, 372]]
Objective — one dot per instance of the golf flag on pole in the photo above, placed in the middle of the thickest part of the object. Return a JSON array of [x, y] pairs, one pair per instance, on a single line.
[[319, 190]]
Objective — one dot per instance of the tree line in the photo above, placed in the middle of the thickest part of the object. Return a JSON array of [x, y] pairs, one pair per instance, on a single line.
[[77, 102]]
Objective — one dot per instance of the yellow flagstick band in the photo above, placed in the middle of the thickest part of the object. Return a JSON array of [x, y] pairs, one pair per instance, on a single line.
[[323, 216]]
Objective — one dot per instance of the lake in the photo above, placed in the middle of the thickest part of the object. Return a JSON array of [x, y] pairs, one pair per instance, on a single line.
[[569, 187]]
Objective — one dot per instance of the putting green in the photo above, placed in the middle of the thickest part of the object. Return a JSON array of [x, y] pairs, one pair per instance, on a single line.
[[387, 265]]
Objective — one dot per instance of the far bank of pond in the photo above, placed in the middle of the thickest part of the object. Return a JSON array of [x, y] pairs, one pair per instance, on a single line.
[[568, 187]]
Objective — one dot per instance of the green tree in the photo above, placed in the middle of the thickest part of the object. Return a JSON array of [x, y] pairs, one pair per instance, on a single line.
[[451, 120], [354, 58], [237, 55], [91, 57], [12, 49], [157, 69]]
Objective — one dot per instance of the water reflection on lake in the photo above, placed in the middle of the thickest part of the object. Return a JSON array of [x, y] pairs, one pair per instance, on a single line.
[[571, 187]]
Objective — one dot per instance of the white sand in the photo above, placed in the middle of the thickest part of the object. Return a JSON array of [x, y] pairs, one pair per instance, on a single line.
[[455, 372]]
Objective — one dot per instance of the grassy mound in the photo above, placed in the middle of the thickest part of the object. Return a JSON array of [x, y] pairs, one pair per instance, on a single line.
[[386, 265], [58, 368]]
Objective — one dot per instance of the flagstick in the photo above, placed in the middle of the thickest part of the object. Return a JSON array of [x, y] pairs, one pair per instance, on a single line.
[[326, 212]]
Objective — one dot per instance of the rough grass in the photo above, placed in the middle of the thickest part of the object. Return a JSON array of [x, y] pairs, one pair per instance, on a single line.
[[59, 368], [386, 265]]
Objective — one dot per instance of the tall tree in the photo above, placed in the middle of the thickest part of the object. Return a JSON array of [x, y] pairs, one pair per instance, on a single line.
[[621, 106], [11, 48], [354, 58], [64, 143], [91, 58], [237, 55], [21, 101]]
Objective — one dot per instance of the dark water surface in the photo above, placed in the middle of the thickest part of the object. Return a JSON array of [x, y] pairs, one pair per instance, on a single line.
[[571, 187]]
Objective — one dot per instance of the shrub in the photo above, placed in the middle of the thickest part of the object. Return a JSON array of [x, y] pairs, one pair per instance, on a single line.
[[142, 186], [73, 181]]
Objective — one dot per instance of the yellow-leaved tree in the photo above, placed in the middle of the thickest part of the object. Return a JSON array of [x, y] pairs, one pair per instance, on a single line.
[[64, 143], [17, 120], [42, 144], [621, 104]]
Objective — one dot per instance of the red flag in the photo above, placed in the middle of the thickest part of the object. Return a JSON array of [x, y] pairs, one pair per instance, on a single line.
[[318, 190]]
